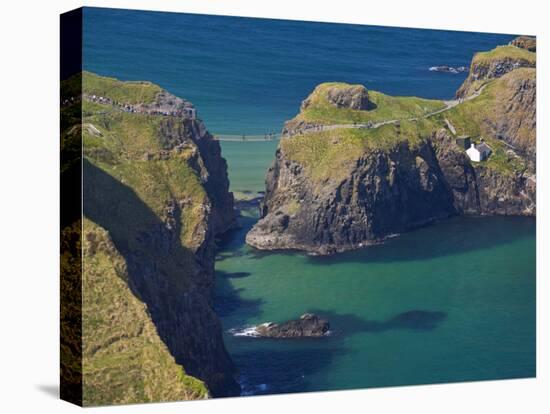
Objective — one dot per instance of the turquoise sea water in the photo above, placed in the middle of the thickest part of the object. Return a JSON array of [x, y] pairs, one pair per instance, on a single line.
[[248, 163], [453, 301]]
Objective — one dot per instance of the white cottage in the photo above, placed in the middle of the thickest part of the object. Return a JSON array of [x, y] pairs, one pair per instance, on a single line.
[[479, 152]]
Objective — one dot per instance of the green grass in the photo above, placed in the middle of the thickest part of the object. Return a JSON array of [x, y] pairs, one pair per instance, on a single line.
[[125, 138], [322, 111], [331, 155], [124, 360], [130, 181], [126, 134], [504, 52], [501, 161], [478, 116], [126, 92]]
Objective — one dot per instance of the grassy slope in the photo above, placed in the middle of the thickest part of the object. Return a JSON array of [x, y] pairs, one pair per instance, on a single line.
[[124, 359], [494, 56], [475, 117], [139, 368], [126, 92], [321, 111], [504, 52], [330, 155], [119, 150]]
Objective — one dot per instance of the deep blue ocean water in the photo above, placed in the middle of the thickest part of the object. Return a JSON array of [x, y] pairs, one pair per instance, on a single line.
[[250, 75], [450, 302]]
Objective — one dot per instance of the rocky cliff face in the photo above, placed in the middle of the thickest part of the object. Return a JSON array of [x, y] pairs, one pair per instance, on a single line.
[[498, 62], [385, 193], [514, 119], [525, 42], [156, 184], [342, 187], [479, 189]]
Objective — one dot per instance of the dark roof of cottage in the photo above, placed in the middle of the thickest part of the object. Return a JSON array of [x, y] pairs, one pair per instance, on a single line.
[[483, 147]]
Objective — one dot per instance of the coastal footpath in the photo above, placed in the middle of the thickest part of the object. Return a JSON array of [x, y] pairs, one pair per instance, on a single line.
[[155, 197], [356, 166]]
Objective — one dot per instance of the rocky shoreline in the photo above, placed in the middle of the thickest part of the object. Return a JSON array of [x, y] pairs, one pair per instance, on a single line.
[[417, 173]]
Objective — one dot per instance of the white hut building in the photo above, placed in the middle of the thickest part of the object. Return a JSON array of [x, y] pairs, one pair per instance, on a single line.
[[479, 152]]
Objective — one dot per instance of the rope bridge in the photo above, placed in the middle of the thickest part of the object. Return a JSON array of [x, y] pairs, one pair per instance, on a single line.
[[246, 138]]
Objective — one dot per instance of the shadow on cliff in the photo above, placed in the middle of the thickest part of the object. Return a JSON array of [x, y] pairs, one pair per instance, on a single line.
[[163, 274], [445, 238]]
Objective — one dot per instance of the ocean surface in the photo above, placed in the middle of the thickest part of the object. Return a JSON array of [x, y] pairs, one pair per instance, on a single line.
[[454, 301], [247, 76]]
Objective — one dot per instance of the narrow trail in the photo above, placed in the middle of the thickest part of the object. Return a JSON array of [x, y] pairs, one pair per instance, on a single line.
[[369, 125], [448, 105]]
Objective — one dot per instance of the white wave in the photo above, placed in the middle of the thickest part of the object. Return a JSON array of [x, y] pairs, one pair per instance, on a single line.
[[249, 331]]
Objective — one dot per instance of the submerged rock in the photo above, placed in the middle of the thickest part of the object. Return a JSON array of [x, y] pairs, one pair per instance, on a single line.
[[448, 69], [308, 326]]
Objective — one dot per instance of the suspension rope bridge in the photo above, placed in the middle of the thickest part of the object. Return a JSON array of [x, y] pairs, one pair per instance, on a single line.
[[369, 125], [247, 138]]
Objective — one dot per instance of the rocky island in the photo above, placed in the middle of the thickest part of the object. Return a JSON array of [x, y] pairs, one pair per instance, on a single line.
[[155, 196], [308, 325], [355, 166]]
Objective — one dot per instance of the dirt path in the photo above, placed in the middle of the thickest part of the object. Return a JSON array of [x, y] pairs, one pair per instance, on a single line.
[[370, 125], [448, 105]]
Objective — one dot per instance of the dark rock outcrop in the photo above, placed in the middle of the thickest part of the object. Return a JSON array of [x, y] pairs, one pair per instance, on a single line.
[[177, 134], [386, 193], [525, 42], [354, 97], [448, 69], [342, 96], [492, 65], [308, 326]]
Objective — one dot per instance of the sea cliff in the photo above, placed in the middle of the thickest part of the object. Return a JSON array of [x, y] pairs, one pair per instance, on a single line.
[[355, 166], [155, 197]]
